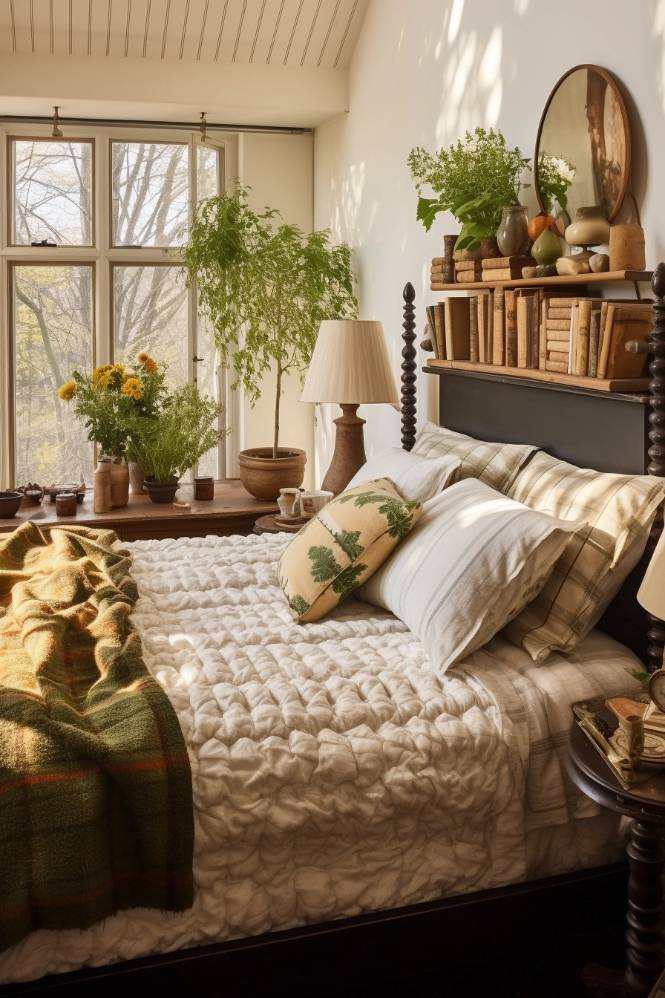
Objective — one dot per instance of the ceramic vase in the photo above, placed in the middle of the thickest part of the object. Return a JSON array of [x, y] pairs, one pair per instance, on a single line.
[[513, 233], [589, 228], [137, 478], [547, 248], [119, 483]]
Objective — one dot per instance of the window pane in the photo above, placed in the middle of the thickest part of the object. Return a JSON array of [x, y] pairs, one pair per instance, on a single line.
[[207, 172], [150, 313], [150, 193], [53, 198], [53, 335], [208, 382]]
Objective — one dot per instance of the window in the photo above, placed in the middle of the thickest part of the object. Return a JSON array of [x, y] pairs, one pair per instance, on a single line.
[[91, 269]]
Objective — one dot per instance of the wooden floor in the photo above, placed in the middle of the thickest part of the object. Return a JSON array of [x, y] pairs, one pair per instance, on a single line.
[[232, 511]]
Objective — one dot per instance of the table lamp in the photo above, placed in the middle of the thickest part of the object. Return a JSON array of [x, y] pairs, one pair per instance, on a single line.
[[651, 595], [349, 366]]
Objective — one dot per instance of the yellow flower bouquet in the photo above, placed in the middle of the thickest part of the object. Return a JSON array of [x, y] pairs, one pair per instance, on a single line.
[[115, 399]]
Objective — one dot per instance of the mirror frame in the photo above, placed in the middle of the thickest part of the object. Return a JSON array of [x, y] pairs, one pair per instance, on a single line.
[[614, 83]]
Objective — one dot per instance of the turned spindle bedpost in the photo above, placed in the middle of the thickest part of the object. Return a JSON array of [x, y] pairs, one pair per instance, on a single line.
[[656, 466], [409, 370]]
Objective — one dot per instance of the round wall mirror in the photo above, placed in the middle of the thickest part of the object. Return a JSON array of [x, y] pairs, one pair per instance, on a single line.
[[585, 124]]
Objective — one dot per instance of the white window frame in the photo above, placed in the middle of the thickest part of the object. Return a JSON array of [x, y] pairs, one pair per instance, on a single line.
[[102, 255]]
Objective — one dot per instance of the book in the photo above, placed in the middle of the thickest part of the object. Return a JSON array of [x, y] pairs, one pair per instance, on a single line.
[[572, 346], [558, 323], [498, 328], [505, 262], [555, 365], [505, 274], [461, 265], [467, 276], [581, 355], [485, 306], [560, 346], [533, 328], [594, 335], [559, 313], [522, 332], [510, 328], [607, 322], [631, 322], [456, 328], [439, 335], [473, 329], [430, 312], [559, 358], [542, 332]]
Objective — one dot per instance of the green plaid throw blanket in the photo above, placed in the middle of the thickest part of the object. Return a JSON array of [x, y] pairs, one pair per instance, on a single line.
[[95, 785]]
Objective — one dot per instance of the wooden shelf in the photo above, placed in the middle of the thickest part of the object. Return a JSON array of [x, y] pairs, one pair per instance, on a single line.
[[609, 277], [551, 377]]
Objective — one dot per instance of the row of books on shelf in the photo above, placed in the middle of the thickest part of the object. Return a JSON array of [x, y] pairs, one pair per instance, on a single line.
[[538, 329]]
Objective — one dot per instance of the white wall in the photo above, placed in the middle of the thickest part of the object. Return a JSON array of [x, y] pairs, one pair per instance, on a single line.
[[425, 71], [278, 168]]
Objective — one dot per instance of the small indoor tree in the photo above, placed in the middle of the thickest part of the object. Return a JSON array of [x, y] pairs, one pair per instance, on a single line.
[[265, 286]]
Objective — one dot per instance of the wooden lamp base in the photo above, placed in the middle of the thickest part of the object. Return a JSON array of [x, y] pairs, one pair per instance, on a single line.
[[349, 453]]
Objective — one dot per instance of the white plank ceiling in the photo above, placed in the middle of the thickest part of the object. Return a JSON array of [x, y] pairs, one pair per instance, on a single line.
[[312, 33]]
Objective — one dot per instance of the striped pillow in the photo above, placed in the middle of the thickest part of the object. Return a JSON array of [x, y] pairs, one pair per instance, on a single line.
[[495, 464], [470, 564], [617, 511]]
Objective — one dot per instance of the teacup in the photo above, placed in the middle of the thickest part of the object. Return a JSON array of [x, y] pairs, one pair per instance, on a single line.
[[288, 503], [312, 501]]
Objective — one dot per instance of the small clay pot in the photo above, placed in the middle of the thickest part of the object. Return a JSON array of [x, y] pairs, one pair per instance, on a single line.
[[9, 504], [204, 488], [65, 504], [264, 475], [162, 492]]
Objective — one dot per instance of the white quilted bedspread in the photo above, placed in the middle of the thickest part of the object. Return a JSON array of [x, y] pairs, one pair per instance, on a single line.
[[334, 770]]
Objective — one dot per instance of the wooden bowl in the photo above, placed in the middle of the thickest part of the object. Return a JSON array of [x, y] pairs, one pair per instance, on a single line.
[[9, 504]]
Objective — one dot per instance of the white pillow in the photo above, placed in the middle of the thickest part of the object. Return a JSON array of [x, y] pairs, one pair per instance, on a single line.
[[471, 563], [414, 477]]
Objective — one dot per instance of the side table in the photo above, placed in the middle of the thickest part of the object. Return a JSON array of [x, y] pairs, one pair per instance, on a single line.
[[645, 805]]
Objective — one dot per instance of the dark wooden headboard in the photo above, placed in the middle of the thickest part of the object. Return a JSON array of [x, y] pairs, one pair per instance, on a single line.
[[601, 430]]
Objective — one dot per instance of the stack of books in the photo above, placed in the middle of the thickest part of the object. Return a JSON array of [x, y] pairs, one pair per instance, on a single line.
[[505, 268], [587, 337], [468, 270], [442, 271]]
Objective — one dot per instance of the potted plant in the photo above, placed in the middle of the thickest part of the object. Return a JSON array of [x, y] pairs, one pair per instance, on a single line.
[[265, 286], [170, 445], [109, 401], [474, 179]]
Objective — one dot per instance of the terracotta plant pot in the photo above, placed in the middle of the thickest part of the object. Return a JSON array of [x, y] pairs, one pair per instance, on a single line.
[[264, 475], [162, 491], [9, 504], [488, 248], [119, 473]]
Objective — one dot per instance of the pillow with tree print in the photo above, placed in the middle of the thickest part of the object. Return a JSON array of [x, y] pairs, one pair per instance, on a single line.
[[343, 545]]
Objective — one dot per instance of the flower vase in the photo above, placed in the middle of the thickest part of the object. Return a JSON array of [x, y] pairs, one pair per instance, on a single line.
[[119, 483], [547, 248], [513, 232], [137, 478]]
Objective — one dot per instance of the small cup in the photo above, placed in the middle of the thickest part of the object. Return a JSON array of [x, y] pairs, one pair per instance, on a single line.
[[204, 488], [65, 504], [288, 503], [313, 501]]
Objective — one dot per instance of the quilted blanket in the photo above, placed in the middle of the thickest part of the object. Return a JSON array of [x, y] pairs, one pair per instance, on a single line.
[[95, 785], [334, 770]]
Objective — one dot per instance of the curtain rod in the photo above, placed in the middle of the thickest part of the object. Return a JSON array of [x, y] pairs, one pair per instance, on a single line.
[[19, 119]]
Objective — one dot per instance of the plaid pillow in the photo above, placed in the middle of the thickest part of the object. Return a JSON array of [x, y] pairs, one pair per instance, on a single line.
[[495, 464], [618, 510]]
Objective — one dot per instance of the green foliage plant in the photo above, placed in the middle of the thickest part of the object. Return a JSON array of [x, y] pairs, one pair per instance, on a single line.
[[474, 179], [186, 428], [265, 286]]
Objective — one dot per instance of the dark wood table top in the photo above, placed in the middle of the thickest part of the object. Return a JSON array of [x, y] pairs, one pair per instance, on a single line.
[[232, 510], [589, 772]]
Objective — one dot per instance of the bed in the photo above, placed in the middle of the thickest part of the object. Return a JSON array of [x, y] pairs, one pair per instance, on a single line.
[[344, 793]]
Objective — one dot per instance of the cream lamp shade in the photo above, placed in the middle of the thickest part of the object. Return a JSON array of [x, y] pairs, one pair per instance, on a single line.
[[350, 364], [651, 593]]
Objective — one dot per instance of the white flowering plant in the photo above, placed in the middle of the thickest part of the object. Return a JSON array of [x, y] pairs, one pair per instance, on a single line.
[[554, 176]]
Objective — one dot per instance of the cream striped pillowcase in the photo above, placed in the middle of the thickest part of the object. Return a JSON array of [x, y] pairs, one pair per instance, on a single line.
[[617, 511], [469, 565], [495, 464]]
